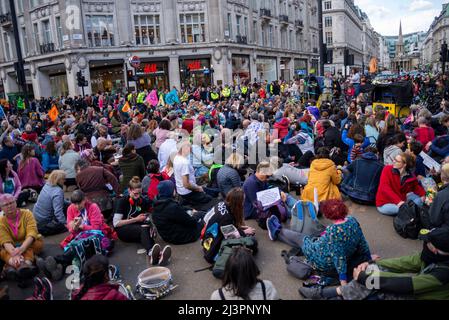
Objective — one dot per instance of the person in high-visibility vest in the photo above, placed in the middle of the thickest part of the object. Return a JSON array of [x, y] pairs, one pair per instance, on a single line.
[[130, 96], [226, 92], [244, 91], [141, 97], [214, 96]]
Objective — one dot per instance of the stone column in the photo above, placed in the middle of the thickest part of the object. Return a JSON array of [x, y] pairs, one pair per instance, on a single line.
[[170, 20], [174, 72], [41, 84], [124, 17]]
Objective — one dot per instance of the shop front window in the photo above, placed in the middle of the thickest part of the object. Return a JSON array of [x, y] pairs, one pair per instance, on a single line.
[[196, 72], [108, 79], [153, 75], [59, 85], [266, 69], [240, 69]]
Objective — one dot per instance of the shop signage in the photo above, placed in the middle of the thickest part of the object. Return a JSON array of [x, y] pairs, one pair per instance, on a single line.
[[301, 72], [135, 62], [195, 65], [150, 68], [282, 66], [77, 36]]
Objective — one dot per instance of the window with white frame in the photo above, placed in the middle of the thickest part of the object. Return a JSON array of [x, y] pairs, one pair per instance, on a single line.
[[328, 22], [36, 37], [329, 38], [230, 24], [147, 29], [100, 30], [24, 41], [238, 19], [328, 5], [193, 27], [46, 32], [7, 49], [59, 32]]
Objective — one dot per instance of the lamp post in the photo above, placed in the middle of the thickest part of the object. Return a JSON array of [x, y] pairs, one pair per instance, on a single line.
[[321, 37]]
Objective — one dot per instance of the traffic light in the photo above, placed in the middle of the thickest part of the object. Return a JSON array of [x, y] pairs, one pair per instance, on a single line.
[[81, 79], [443, 53]]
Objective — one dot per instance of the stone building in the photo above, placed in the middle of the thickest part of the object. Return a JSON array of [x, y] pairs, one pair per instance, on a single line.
[[174, 43]]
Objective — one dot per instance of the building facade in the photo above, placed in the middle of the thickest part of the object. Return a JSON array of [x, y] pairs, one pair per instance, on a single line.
[[174, 43], [437, 34], [384, 58], [350, 39]]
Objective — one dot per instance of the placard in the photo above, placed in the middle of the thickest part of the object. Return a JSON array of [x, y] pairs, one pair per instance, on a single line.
[[269, 197]]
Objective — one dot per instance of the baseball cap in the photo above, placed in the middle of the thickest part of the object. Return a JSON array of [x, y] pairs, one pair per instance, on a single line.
[[439, 238]]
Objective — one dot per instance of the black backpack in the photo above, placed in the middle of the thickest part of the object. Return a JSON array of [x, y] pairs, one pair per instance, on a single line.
[[408, 222]]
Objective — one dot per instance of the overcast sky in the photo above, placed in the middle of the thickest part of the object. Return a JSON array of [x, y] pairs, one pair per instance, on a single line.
[[416, 15]]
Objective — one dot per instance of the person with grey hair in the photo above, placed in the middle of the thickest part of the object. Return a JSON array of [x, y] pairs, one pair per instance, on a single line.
[[102, 132]]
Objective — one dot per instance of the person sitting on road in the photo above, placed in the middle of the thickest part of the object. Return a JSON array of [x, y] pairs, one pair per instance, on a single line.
[[420, 169], [324, 177], [394, 147], [20, 240], [341, 246], [50, 158], [67, 162], [259, 182], [131, 165], [142, 142], [83, 215], [439, 210], [241, 280], [422, 276], [50, 210], [186, 186], [362, 181], [227, 213], [10, 183], [175, 224], [424, 133], [152, 180], [131, 222], [228, 176], [398, 184], [104, 151], [96, 284], [30, 172], [97, 183]]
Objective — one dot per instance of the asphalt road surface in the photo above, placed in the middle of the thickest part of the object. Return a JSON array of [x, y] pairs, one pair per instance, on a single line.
[[378, 230]]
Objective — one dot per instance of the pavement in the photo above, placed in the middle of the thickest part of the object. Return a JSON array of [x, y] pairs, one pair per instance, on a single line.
[[378, 229]]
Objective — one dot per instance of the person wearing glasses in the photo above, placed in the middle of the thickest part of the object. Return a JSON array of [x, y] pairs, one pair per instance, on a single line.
[[20, 240], [398, 184]]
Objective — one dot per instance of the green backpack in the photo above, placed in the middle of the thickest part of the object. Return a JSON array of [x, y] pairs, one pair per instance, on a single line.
[[226, 251]]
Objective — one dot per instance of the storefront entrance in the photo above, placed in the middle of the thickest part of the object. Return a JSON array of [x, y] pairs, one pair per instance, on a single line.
[[266, 69], [153, 75], [59, 85], [196, 72], [300, 68], [108, 78], [241, 72]]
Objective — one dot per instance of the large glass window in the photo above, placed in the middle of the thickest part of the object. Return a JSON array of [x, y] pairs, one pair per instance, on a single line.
[[100, 31], [329, 38], [193, 27], [59, 32], [328, 22], [147, 29], [46, 31], [24, 41], [36, 37], [7, 46]]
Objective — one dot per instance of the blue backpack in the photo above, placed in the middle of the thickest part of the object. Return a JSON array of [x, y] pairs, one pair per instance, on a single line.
[[305, 219]]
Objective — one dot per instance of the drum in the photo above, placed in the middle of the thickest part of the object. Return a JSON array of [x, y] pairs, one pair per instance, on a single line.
[[155, 283]]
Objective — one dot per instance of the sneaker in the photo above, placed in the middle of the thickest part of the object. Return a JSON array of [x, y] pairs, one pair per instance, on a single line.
[[273, 227], [40, 264], [50, 264], [314, 293], [154, 254], [38, 288], [165, 256], [47, 292], [27, 271]]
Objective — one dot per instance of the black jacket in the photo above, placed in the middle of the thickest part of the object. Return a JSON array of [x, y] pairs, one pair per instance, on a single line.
[[332, 138], [174, 224], [439, 211]]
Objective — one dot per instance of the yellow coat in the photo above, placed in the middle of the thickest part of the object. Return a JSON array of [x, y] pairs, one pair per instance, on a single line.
[[325, 178]]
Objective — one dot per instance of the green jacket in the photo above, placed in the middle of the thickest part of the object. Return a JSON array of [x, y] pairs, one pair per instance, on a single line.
[[408, 276]]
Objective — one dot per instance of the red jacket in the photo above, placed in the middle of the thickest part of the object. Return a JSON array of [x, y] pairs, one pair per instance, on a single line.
[[392, 191], [424, 135], [103, 292], [282, 127]]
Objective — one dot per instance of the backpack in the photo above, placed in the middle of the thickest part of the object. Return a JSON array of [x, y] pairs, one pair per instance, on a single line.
[[279, 209], [408, 223], [226, 251], [305, 219], [155, 179], [213, 172]]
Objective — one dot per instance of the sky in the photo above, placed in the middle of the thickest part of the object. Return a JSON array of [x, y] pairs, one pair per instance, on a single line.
[[416, 15]]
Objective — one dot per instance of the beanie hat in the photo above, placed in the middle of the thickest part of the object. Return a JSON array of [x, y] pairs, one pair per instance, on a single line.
[[166, 189]]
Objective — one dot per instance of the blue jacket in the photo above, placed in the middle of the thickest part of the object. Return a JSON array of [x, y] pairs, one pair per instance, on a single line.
[[350, 143], [363, 179], [9, 153], [251, 186], [444, 151], [49, 162]]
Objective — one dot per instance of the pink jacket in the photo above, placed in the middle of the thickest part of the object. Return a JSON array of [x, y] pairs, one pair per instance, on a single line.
[[32, 174], [96, 220], [161, 136], [17, 185]]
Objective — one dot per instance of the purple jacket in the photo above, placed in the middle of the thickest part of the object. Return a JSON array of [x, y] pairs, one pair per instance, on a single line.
[[17, 185], [31, 174]]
